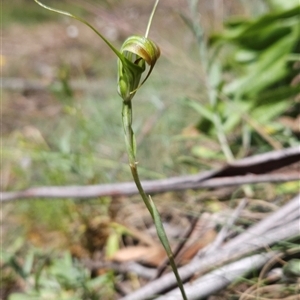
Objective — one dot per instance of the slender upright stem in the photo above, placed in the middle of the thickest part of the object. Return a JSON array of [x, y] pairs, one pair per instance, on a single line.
[[129, 135], [130, 145], [131, 151]]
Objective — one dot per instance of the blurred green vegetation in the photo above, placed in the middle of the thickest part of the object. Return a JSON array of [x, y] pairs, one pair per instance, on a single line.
[[251, 67], [58, 277], [29, 14], [16, 11], [194, 110]]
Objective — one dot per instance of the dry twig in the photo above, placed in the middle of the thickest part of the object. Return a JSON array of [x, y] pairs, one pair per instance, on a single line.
[[245, 171], [151, 187], [262, 235], [220, 278]]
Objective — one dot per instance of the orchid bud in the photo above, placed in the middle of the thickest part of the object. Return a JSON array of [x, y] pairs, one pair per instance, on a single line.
[[137, 51]]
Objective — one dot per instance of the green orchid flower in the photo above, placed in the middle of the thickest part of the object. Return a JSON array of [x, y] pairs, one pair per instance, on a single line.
[[135, 53]]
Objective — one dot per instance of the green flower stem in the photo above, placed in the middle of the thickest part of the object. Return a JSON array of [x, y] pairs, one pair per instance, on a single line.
[[150, 19], [131, 151], [62, 12]]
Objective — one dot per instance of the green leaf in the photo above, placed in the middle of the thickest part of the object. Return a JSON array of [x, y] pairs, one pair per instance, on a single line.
[[245, 56], [283, 93], [263, 36], [271, 18], [264, 31], [265, 113], [280, 5], [292, 268], [269, 68], [112, 244]]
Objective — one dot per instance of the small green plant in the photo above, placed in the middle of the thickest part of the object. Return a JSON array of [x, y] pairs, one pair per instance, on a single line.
[[49, 276], [136, 54], [250, 80]]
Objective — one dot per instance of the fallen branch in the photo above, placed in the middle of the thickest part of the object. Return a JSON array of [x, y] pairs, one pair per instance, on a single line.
[[151, 187], [220, 278], [245, 171], [249, 170]]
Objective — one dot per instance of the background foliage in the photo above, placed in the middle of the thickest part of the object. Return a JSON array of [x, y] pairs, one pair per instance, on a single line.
[[220, 91]]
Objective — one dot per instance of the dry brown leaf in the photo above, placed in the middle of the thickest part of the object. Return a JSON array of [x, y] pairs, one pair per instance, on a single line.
[[155, 257], [130, 254], [148, 255]]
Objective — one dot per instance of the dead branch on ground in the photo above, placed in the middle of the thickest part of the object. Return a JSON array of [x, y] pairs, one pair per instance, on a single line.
[[248, 170]]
